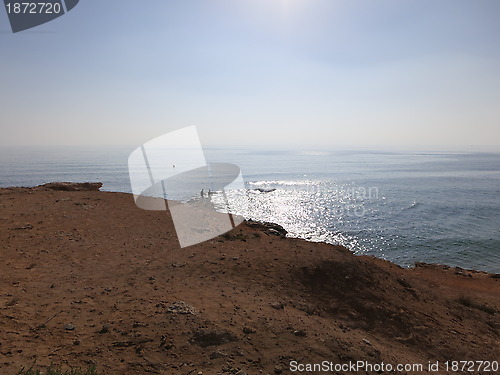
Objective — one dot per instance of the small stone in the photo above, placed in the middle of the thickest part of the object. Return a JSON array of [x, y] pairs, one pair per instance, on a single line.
[[104, 329], [217, 354], [277, 305], [300, 333], [69, 327], [181, 307], [248, 330], [278, 370], [367, 342], [212, 337]]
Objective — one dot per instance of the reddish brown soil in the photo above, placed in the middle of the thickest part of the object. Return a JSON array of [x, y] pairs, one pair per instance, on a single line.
[[88, 278]]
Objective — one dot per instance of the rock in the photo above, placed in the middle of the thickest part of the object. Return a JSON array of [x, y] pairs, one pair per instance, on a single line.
[[217, 354], [277, 305], [278, 370], [164, 344], [104, 329], [72, 186], [367, 342], [181, 307], [179, 264], [422, 265], [69, 327], [268, 228], [462, 273], [24, 227], [300, 333], [212, 337], [248, 330], [404, 283], [262, 190]]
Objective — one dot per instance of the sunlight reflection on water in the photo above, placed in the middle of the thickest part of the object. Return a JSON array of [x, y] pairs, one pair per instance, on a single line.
[[306, 209]]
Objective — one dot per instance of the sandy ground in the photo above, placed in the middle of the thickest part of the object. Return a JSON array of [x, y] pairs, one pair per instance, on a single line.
[[86, 278]]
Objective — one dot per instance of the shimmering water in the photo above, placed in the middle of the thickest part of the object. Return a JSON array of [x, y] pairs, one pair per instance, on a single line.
[[405, 207]]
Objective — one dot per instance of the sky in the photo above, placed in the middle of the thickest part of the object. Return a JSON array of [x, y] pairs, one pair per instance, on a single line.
[[257, 73]]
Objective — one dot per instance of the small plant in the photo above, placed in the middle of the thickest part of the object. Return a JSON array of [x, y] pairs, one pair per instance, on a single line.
[[466, 301], [51, 370], [231, 236]]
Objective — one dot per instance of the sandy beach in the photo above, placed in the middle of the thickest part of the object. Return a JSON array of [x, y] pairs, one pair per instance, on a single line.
[[87, 278]]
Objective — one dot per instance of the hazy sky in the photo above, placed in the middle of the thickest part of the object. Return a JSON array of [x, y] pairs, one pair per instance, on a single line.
[[288, 73]]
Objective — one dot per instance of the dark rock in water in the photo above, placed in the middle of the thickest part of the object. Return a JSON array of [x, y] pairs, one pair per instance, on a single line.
[[262, 190], [268, 228], [73, 186], [212, 337]]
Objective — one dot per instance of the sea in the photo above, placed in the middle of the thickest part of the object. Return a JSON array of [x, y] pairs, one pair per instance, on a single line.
[[403, 206]]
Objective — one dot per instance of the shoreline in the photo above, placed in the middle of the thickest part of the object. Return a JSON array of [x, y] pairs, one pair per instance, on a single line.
[[97, 186]]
